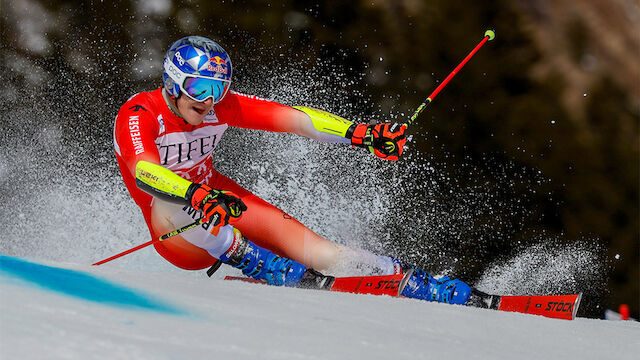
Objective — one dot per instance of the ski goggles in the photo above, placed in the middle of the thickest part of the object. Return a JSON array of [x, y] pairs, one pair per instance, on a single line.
[[200, 89]]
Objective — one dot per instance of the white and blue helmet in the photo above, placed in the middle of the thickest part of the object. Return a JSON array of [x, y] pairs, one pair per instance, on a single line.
[[197, 67]]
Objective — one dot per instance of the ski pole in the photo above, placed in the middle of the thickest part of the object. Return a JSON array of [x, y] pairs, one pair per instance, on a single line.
[[161, 238], [488, 36]]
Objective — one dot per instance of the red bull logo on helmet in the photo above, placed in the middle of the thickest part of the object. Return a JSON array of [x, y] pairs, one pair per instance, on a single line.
[[218, 65]]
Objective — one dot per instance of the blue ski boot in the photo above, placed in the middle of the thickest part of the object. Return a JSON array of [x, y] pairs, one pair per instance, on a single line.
[[423, 286], [262, 264]]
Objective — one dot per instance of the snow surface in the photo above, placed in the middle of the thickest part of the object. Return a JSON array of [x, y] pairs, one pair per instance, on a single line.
[[234, 320]]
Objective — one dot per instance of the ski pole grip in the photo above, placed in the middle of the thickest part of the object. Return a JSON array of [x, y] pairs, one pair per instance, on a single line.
[[490, 33]]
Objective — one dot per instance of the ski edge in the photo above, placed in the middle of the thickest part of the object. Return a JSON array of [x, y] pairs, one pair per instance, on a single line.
[[245, 279]]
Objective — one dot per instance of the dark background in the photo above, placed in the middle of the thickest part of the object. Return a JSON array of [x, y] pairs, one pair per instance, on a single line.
[[553, 101]]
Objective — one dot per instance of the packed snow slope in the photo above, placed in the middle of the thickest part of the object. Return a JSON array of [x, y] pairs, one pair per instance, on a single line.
[[65, 311]]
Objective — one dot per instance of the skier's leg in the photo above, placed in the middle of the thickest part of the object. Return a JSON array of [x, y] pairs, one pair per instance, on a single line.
[[198, 249], [271, 228], [274, 229], [192, 250], [186, 251], [227, 244]]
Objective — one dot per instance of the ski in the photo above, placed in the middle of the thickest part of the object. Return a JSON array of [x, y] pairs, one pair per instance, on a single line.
[[551, 306], [373, 285]]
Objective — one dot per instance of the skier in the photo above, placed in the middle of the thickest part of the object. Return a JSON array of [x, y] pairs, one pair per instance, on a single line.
[[164, 141]]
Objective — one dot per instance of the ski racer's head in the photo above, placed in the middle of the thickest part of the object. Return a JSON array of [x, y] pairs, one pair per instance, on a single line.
[[200, 69]]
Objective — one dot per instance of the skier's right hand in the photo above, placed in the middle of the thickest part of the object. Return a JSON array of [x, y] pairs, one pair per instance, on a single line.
[[218, 207]]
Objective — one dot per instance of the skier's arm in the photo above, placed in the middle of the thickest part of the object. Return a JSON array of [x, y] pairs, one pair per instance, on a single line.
[[384, 140], [319, 125], [251, 112], [218, 207], [162, 183]]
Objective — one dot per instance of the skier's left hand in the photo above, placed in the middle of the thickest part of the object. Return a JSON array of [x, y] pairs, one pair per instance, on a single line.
[[385, 140]]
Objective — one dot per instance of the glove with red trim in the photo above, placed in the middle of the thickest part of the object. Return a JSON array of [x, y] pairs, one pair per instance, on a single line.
[[218, 208], [385, 140]]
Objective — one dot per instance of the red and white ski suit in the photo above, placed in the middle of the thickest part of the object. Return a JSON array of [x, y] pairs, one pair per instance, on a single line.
[[146, 129]]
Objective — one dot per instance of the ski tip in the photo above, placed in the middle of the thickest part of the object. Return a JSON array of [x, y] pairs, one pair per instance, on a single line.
[[576, 305], [552, 306]]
